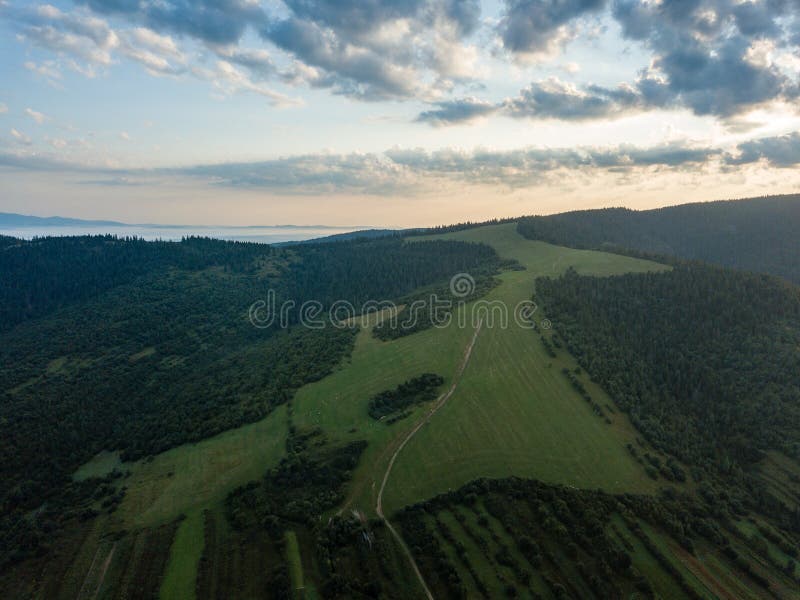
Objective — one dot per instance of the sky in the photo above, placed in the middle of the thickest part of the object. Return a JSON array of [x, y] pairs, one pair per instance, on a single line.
[[392, 112]]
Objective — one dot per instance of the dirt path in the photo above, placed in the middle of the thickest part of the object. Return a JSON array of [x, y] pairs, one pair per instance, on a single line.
[[104, 569], [96, 571], [440, 402]]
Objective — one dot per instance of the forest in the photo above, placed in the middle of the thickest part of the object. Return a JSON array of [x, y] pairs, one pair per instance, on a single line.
[[704, 360], [758, 234], [691, 353]]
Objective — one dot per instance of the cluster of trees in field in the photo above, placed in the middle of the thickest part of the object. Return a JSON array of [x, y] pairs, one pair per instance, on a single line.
[[759, 234], [306, 482], [409, 393], [122, 344], [435, 305]]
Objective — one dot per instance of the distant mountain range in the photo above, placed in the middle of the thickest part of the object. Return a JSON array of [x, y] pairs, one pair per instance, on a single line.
[[17, 220]]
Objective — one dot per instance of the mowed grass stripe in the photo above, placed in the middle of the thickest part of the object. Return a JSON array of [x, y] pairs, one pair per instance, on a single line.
[[180, 576]]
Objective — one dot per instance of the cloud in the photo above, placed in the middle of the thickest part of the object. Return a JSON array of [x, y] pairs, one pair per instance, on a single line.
[[380, 49], [228, 79], [3, 108], [554, 99], [256, 60], [703, 52], [48, 70], [80, 36], [457, 111], [212, 21], [335, 64], [521, 168], [548, 99], [710, 56], [20, 138], [401, 170], [36, 116], [534, 27], [159, 54], [780, 151], [315, 173]]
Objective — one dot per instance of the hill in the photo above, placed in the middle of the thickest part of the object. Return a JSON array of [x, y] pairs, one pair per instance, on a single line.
[[757, 234], [630, 433]]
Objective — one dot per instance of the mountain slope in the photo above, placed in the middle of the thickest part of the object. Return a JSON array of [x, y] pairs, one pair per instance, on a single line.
[[529, 481], [758, 234]]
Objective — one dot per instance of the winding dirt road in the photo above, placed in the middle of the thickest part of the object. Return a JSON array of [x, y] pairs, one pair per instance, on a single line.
[[440, 402]]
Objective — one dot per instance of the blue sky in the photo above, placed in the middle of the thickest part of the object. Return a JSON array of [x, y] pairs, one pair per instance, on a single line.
[[391, 112]]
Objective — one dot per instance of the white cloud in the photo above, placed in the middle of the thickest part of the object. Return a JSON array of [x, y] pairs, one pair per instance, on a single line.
[[47, 69], [36, 116], [227, 79], [3, 108], [123, 135], [20, 137], [571, 68], [159, 54]]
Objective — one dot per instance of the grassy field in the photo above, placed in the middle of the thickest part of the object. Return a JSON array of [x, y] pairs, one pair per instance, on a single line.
[[514, 412], [180, 482], [196, 476], [181, 573], [295, 563], [100, 466]]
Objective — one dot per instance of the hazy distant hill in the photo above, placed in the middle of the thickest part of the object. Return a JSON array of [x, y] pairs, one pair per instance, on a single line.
[[16, 220], [351, 235], [757, 234]]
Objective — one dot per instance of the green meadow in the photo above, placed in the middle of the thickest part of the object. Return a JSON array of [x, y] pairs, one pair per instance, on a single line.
[[513, 413], [197, 476]]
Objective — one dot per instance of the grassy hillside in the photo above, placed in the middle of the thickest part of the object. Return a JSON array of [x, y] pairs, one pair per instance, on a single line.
[[514, 412]]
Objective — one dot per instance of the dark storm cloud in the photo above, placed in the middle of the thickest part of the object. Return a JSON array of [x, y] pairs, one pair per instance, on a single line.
[[532, 25]]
